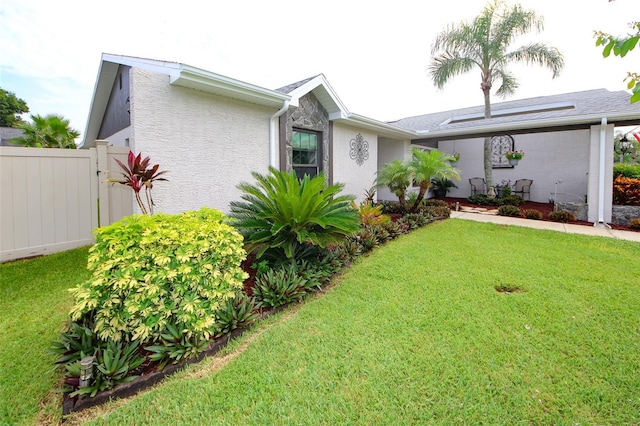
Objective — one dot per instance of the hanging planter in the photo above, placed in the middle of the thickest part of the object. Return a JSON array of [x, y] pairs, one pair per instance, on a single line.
[[514, 157], [453, 160]]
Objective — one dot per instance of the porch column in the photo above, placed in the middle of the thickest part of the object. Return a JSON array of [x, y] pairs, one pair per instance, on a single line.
[[596, 182]]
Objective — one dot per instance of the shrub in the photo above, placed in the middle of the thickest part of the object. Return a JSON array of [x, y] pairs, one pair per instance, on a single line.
[[508, 210], [370, 214], [626, 191], [532, 214], [627, 170], [635, 224], [414, 220], [435, 211], [151, 271], [235, 313], [483, 200], [431, 202], [391, 207], [562, 216], [282, 214], [511, 200], [279, 286], [367, 238]]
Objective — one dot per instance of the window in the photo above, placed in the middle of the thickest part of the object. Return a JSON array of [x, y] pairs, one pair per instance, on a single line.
[[306, 153]]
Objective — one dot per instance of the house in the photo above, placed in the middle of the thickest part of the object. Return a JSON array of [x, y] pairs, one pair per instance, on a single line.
[[567, 140], [211, 131], [8, 133]]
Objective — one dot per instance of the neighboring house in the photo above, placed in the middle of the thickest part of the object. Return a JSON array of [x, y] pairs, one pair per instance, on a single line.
[[8, 133], [212, 131]]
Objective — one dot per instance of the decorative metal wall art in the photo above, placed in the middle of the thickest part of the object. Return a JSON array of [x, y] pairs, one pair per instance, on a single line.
[[500, 145], [359, 150]]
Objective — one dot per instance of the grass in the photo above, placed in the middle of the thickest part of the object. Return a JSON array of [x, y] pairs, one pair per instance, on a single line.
[[34, 302], [417, 333]]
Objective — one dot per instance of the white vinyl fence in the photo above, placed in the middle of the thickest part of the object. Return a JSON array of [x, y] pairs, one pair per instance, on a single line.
[[52, 199]]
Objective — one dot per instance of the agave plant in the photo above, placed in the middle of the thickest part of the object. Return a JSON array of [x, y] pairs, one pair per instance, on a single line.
[[137, 174], [284, 216]]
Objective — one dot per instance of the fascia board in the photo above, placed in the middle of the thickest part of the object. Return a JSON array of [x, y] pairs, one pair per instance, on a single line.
[[529, 124], [311, 85], [196, 78], [99, 100], [379, 127]]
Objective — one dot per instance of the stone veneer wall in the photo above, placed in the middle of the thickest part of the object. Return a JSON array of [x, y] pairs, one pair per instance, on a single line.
[[310, 115], [622, 215]]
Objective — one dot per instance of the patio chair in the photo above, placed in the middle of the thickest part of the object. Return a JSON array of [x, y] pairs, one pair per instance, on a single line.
[[522, 187], [478, 186]]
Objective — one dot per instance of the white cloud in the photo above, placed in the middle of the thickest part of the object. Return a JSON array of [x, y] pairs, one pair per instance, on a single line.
[[374, 54]]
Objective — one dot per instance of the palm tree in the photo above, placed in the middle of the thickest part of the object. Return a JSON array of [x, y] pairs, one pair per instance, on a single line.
[[428, 165], [483, 43], [52, 131], [397, 177]]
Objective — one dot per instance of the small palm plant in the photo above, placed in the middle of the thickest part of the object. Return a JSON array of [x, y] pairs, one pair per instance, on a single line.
[[396, 176], [428, 165], [281, 216]]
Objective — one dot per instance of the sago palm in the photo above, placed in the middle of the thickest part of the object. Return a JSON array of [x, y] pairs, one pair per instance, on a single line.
[[282, 215], [484, 43], [428, 165]]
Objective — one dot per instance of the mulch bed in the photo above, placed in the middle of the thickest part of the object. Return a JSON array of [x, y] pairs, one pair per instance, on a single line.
[[544, 208]]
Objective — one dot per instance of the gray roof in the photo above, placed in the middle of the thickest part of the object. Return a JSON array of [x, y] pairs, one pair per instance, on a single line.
[[578, 108], [293, 86]]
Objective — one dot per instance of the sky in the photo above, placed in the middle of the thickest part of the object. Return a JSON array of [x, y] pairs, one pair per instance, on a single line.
[[375, 55]]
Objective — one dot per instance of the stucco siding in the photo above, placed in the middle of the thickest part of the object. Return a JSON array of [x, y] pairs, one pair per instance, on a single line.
[[209, 144], [356, 177], [549, 158], [389, 150]]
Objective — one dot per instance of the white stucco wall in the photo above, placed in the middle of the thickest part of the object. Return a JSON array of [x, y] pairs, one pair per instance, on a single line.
[[356, 178], [549, 158], [389, 150], [209, 144], [120, 138]]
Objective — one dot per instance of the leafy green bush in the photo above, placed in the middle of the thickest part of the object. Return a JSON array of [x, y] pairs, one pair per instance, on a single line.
[[415, 220], [635, 224], [152, 271], [236, 313], [511, 200], [562, 216], [281, 215], [508, 210], [483, 200], [391, 207], [532, 214], [631, 171], [371, 214], [280, 286], [431, 202], [174, 345]]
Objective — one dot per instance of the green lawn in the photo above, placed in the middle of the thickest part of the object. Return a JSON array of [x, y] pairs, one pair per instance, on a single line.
[[416, 333], [34, 303]]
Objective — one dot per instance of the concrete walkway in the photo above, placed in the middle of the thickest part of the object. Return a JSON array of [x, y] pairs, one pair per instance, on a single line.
[[553, 226]]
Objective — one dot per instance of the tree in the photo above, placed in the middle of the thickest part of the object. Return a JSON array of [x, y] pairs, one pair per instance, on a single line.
[[52, 131], [11, 107], [483, 43], [427, 165], [620, 46], [396, 176]]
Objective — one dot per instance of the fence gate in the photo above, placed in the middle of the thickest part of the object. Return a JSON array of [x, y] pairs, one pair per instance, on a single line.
[[52, 199]]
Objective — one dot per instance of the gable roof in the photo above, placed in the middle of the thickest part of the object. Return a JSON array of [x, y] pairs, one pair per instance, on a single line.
[[206, 81], [567, 110]]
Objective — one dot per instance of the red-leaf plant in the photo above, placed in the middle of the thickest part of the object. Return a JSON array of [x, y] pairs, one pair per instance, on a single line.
[[137, 174]]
